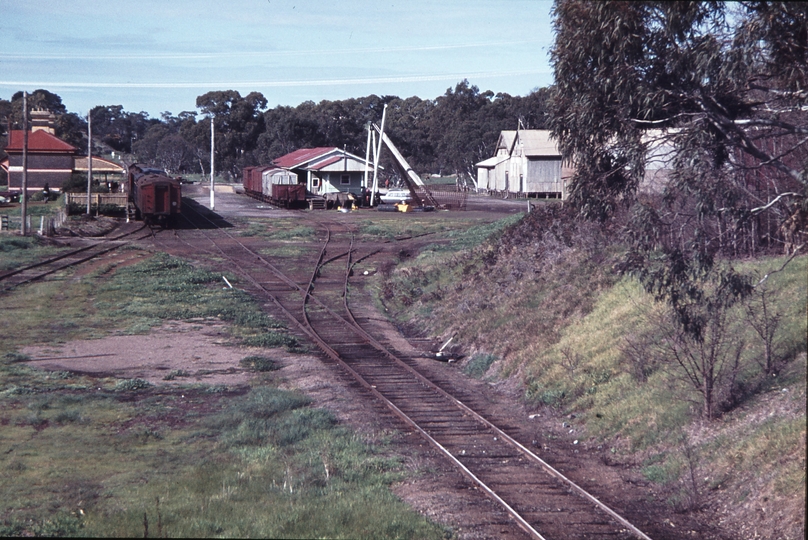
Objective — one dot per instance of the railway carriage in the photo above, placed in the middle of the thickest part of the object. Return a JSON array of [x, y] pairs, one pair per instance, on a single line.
[[156, 197]]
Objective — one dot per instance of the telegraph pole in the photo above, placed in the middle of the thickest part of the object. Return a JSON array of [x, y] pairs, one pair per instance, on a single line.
[[211, 162], [24, 186], [89, 157]]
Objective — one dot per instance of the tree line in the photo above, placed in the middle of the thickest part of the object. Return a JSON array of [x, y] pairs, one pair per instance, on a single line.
[[446, 135]]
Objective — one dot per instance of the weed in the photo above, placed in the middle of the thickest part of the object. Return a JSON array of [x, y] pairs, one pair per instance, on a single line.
[[69, 417], [259, 363], [130, 385], [62, 524], [16, 357], [174, 373], [479, 364], [271, 340]]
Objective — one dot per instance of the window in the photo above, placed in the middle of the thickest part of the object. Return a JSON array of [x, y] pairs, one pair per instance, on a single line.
[[315, 182], [345, 180]]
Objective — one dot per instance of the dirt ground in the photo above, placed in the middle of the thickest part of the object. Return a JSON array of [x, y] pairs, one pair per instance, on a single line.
[[198, 350], [193, 348]]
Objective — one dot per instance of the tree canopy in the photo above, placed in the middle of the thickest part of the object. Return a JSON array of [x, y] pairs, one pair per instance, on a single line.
[[448, 134], [723, 89]]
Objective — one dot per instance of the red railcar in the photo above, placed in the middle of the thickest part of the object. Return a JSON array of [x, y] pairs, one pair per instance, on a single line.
[[289, 194], [274, 185], [252, 180], [157, 197]]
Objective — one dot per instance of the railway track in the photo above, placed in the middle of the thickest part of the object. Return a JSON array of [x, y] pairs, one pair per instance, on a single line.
[[95, 247], [538, 498]]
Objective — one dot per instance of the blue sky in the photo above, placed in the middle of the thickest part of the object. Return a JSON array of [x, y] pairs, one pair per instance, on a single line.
[[159, 55]]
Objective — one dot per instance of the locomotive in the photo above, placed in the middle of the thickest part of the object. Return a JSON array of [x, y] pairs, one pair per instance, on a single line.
[[275, 186], [156, 197]]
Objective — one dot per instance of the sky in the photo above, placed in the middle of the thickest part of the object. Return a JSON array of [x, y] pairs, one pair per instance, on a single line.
[[158, 55]]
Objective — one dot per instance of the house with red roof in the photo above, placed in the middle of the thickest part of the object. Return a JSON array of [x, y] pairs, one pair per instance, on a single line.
[[50, 160], [326, 169]]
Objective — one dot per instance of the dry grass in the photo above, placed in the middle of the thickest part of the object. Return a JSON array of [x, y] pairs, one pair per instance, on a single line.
[[580, 340]]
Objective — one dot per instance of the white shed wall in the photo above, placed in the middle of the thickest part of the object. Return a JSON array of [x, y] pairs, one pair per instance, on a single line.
[[543, 176]]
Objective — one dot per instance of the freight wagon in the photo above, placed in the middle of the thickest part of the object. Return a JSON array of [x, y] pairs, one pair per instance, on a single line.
[[275, 186]]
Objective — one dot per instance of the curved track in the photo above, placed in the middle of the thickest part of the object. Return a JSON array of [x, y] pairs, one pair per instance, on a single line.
[[95, 248], [317, 301]]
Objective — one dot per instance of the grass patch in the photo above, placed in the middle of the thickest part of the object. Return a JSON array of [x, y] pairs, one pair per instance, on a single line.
[[259, 363], [281, 230], [260, 464], [167, 288], [478, 364], [84, 456], [17, 251]]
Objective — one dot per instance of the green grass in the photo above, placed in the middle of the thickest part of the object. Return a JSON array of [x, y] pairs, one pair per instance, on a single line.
[[96, 456], [259, 363], [260, 464], [545, 300], [281, 230], [163, 287], [17, 251], [478, 364]]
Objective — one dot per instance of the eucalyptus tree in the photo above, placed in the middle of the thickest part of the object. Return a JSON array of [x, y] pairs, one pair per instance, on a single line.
[[718, 93], [457, 130], [723, 89], [238, 121]]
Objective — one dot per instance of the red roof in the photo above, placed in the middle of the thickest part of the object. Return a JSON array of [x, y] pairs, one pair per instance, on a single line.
[[326, 162], [304, 155], [39, 141]]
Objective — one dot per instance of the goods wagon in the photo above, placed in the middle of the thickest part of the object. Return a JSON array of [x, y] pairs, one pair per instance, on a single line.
[[273, 185], [156, 197]]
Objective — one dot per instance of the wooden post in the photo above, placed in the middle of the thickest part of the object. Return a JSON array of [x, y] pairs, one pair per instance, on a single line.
[[24, 185]]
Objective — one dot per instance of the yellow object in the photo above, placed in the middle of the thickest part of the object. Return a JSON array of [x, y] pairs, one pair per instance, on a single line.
[[403, 207]]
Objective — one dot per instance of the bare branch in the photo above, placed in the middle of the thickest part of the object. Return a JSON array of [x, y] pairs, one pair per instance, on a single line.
[[766, 277], [774, 201]]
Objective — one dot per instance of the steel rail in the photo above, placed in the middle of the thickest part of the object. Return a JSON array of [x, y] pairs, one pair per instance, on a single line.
[[63, 256], [500, 433], [352, 324], [334, 355]]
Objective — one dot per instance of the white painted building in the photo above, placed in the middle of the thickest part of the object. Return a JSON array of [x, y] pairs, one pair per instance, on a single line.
[[326, 169], [527, 162]]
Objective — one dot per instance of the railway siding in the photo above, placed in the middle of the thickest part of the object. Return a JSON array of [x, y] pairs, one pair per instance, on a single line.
[[538, 498]]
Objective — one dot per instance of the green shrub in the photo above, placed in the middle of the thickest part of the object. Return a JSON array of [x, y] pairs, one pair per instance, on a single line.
[[128, 385], [259, 363], [12, 244]]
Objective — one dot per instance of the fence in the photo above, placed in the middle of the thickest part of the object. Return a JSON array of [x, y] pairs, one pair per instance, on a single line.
[[97, 200], [47, 224]]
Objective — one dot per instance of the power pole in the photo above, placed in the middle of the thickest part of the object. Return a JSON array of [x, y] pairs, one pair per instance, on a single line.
[[24, 186], [89, 157], [211, 162]]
